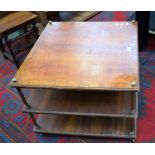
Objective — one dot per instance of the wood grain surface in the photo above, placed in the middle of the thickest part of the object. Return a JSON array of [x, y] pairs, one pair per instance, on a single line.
[[85, 103], [83, 55], [14, 19], [85, 126]]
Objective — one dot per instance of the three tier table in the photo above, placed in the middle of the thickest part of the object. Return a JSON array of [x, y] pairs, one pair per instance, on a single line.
[[84, 79]]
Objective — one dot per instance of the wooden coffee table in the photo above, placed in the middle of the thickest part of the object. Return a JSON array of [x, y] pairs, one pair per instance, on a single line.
[[12, 22], [84, 78]]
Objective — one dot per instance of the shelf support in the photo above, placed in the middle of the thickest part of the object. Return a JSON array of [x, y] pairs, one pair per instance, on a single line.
[[27, 106], [34, 120], [23, 98], [135, 120]]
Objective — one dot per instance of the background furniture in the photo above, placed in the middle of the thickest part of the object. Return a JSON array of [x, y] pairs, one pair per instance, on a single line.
[[143, 17], [152, 23], [88, 85], [25, 23], [45, 16], [77, 16]]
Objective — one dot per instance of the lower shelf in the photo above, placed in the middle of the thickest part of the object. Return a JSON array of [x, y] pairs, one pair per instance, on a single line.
[[86, 126]]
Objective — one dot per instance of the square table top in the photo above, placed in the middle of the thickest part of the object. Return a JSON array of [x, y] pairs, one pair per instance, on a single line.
[[83, 55], [14, 19]]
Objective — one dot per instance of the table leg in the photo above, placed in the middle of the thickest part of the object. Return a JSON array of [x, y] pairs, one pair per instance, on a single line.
[[23, 98], [34, 120], [27, 106]]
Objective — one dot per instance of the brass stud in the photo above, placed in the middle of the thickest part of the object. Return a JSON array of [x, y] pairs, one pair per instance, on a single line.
[[14, 80], [133, 21], [133, 83], [50, 22]]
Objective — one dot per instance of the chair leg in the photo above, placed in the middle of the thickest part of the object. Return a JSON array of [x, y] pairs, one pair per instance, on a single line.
[[14, 59], [2, 48], [12, 54], [36, 31], [27, 37]]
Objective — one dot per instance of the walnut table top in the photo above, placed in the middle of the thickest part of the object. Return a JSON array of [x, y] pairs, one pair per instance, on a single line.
[[83, 55]]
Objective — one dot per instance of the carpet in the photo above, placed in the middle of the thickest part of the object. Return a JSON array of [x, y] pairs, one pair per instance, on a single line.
[[16, 126]]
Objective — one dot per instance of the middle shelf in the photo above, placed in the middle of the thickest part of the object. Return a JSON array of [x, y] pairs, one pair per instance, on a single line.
[[84, 103]]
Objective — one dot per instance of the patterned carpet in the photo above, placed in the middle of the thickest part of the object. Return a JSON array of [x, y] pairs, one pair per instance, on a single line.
[[16, 126]]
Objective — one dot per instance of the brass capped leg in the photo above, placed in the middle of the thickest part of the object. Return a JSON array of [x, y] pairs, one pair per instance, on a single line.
[[132, 132], [132, 111]]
